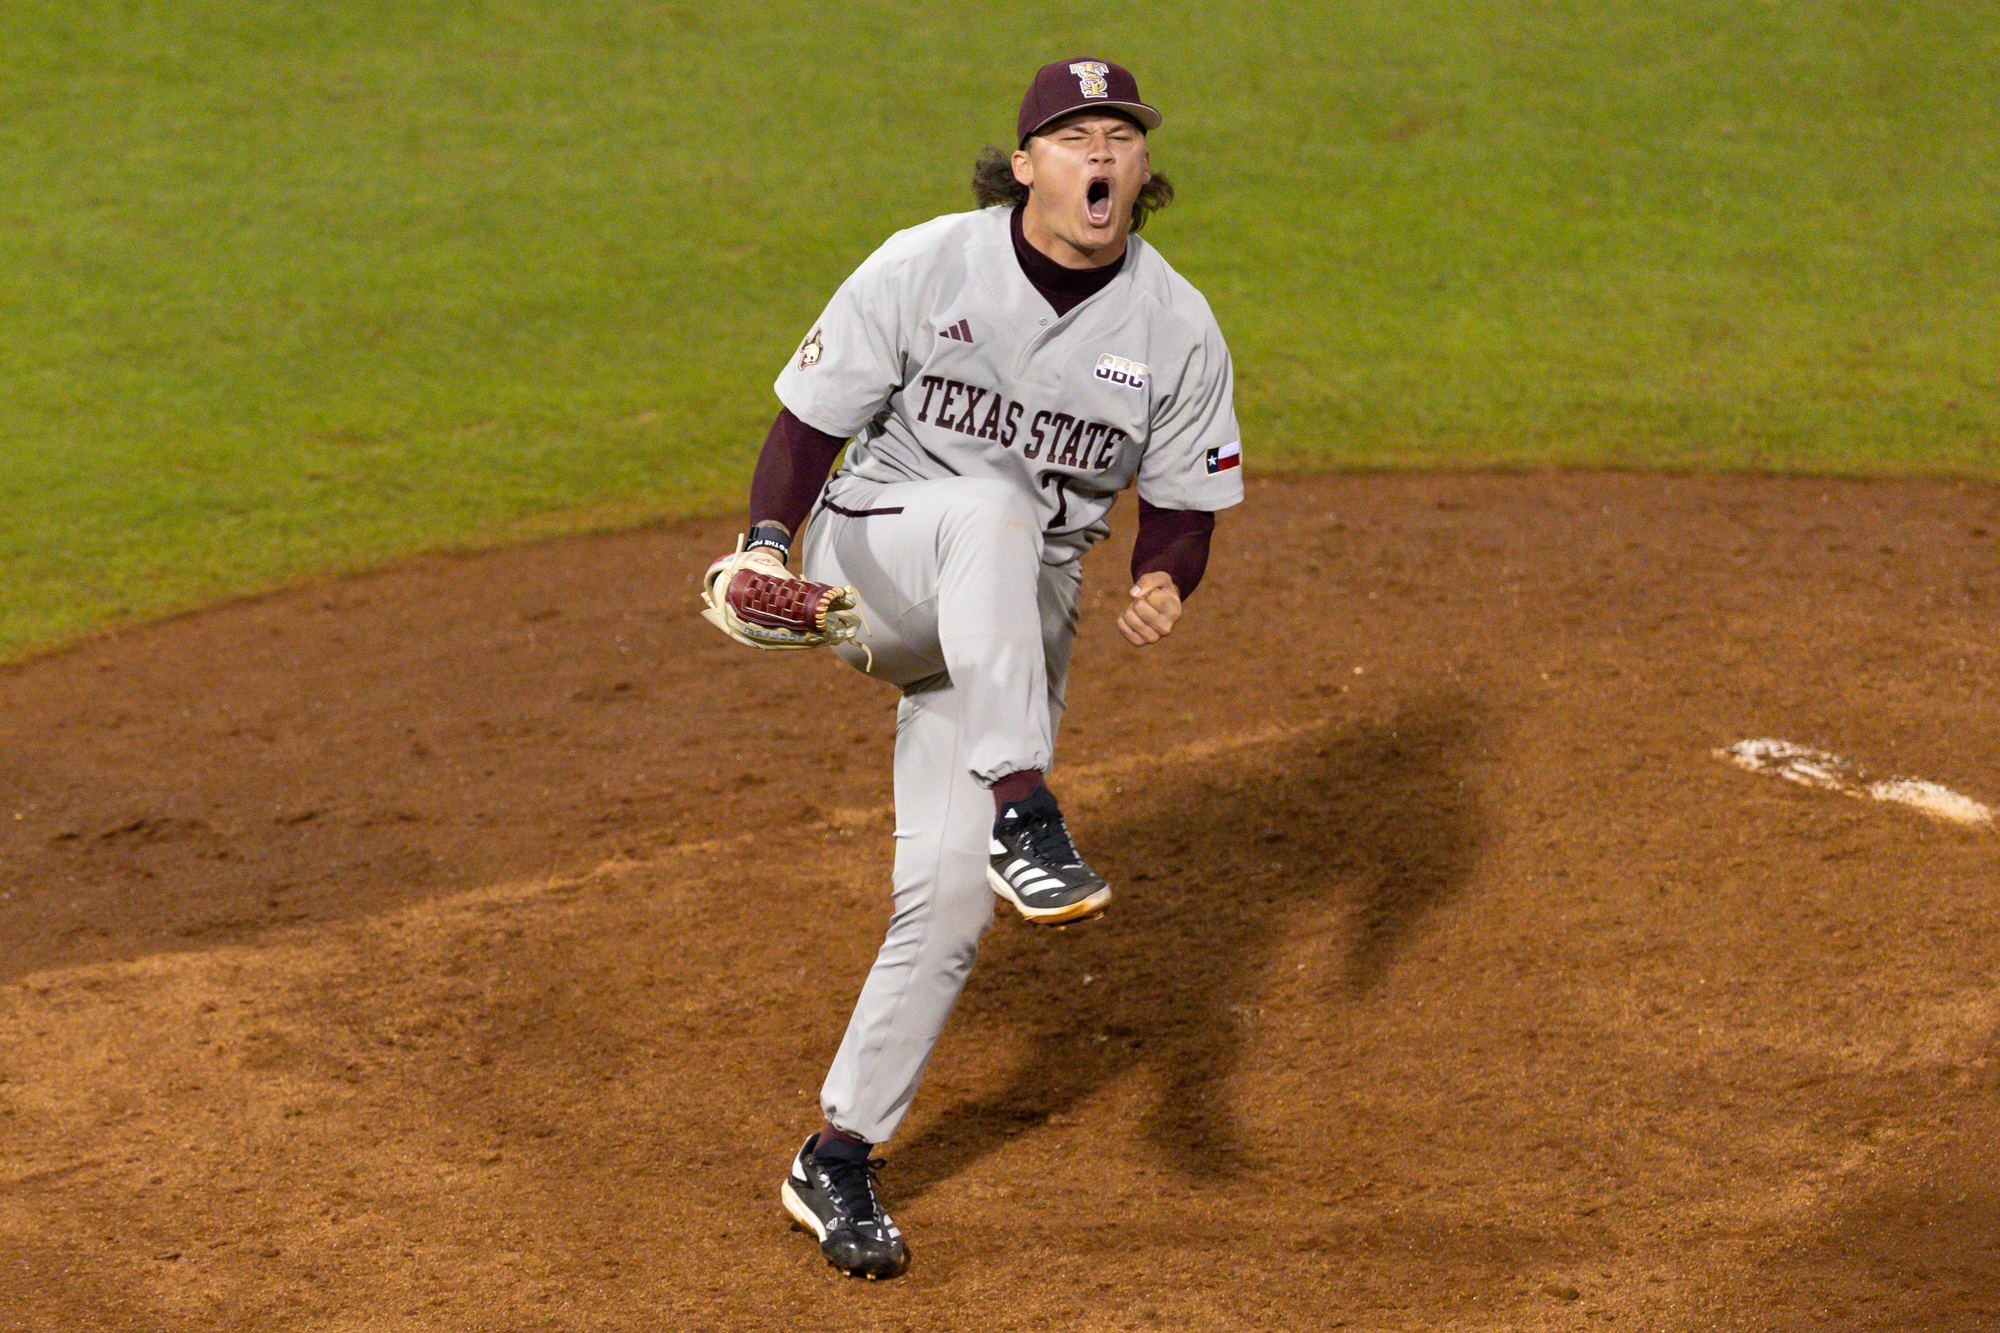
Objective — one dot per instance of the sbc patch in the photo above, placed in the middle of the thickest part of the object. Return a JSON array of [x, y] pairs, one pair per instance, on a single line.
[[1224, 457], [1119, 370], [809, 351]]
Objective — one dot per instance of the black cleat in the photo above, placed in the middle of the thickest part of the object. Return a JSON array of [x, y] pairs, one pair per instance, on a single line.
[[1034, 865], [832, 1195]]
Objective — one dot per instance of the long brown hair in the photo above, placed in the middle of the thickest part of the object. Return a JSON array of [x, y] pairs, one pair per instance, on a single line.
[[993, 183]]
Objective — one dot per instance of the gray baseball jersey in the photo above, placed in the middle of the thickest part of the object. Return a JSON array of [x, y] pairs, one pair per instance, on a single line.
[[941, 359], [990, 438]]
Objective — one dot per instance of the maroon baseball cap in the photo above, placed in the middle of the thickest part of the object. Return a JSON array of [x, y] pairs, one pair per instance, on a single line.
[[1081, 85]]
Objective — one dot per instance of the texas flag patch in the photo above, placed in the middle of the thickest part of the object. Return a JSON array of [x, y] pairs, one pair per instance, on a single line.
[[1225, 457]]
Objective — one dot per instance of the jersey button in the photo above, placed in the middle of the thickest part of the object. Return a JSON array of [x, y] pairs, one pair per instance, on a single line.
[[1043, 320]]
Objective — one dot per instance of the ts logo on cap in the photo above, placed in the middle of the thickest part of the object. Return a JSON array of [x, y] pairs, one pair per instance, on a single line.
[[1090, 77]]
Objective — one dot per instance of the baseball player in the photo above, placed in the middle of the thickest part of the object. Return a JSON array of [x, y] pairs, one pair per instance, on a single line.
[[1002, 375]]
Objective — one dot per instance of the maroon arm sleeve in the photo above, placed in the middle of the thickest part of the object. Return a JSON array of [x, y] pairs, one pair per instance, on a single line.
[[790, 471], [1174, 540]]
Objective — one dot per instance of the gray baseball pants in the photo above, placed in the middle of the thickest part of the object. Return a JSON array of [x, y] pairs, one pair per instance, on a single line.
[[976, 631]]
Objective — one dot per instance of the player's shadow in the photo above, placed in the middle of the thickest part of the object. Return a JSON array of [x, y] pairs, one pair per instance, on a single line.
[[1367, 828]]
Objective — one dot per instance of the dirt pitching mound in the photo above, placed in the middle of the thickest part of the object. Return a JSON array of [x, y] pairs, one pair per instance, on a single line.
[[459, 946]]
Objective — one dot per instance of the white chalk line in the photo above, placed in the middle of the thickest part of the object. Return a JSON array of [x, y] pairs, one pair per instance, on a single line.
[[1809, 767]]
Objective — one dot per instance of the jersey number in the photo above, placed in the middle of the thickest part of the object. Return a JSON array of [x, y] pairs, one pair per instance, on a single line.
[[1056, 480]]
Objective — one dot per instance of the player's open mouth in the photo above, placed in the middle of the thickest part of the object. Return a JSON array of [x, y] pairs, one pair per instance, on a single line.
[[1097, 201]]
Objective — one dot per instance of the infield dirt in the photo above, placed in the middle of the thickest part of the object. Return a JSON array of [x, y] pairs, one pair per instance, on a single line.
[[459, 946]]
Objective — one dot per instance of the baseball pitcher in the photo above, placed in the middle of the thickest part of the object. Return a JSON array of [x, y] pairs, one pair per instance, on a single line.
[[997, 378]]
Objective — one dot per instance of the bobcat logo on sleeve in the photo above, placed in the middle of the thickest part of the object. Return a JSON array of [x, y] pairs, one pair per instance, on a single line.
[[1225, 457], [809, 351], [1090, 77]]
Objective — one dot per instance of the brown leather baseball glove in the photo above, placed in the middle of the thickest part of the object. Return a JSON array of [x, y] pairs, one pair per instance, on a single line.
[[754, 599]]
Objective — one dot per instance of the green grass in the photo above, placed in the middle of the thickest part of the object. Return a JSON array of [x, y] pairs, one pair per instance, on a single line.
[[293, 287]]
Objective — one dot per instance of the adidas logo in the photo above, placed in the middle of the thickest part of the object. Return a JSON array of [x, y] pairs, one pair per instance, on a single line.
[[1029, 878], [961, 331]]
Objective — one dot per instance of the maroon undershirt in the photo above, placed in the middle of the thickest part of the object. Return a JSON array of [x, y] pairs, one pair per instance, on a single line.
[[790, 471], [1063, 288], [796, 457]]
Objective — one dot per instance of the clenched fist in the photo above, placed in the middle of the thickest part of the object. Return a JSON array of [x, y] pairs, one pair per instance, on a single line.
[[1156, 605]]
